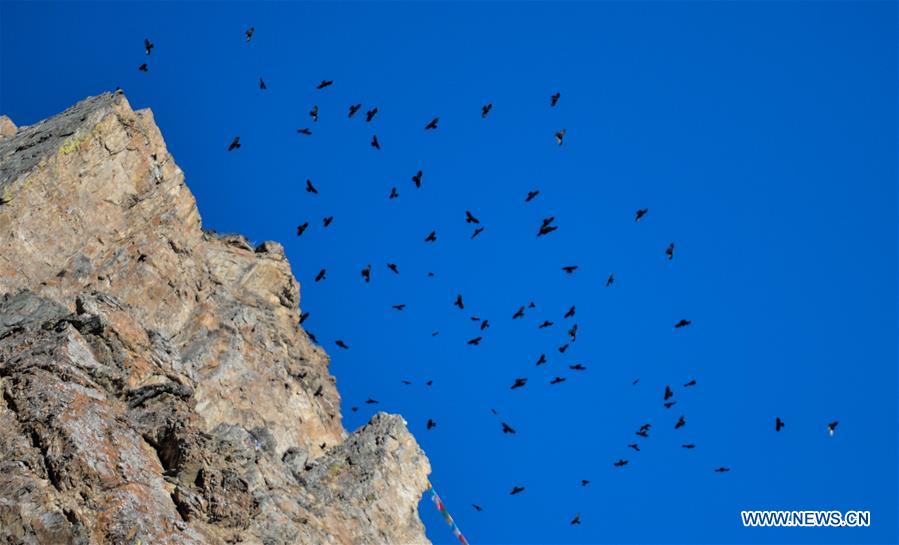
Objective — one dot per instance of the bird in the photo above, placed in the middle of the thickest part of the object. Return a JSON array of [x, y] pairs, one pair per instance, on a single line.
[[432, 124], [353, 109], [584, 482], [369, 115], [476, 341], [576, 519], [519, 383], [485, 324], [371, 401], [399, 307], [642, 433], [689, 384], [432, 237], [560, 136], [832, 427], [682, 323], [431, 424], [634, 383], [557, 380], [318, 391], [545, 230], [553, 100], [366, 274], [321, 275], [406, 382], [645, 427], [569, 269], [545, 324], [374, 142], [485, 109], [688, 445], [428, 383], [310, 188], [669, 251], [311, 337], [477, 507], [635, 446], [262, 84], [610, 280], [326, 221], [670, 404], [393, 267], [570, 312], [542, 359], [303, 317], [668, 392], [778, 424], [302, 228], [249, 33], [477, 231], [393, 193], [681, 422], [507, 428], [516, 490], [469, 218], [235, 143], [518, 313], [354, 409], [313, 113], [341, 344], [417, 179], [325, 83], [532, 195], [620, 463], [305, 130], [458, 302], [722, 469], [573, 333], [563, 348], [640, 213], [148, 46], [577, 367]]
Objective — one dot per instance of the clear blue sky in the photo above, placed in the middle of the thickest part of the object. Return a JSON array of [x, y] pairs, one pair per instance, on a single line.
[[762, 137]]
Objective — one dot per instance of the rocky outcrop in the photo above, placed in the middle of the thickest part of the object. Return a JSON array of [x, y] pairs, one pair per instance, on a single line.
[[156, 384]]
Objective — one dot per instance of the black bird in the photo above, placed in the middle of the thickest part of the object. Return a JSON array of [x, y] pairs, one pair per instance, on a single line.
[[374, 142], [249, 33], [353, 109], [688, 445], [318, 391], [366, 274], [470, 219], [311, 337], [431, 424], [576, 519], [634, 383], [303, 317], [778, 424], [681, 422], [428, 383], [393, 193], [262, 84], [431, 237], [560, 136], [321, 275], [563, 348], [494, 412], [584, 482], [668, 392], [507, 428], [645, 427], [518, 314], [689, 384], [369, 115], [485, 324], [620, 463], [542, 359], [557, 380], [669, 251], [577, 367], [549, 220], [519, 382], [516, 490], [477, 231], [476, 341], [640, 213], [570, 312], [545, 324], [642, 433], [235, 143], [325, 83], [670, 404], [399, 307], [148, 46], [310, 188], [635, 446], [393, 267], [570, 268], [832, 427], [458, 302], [485, 109], [722, 469], [477, 507], [354, 409], [682, 323], [573, 333], [610, 280], [305, 130], [313, 113], [341, 344], [553, 100], [302, 228], [432, 124], [326, 221], [545, 230], [371, 401], [406, 382], [417, 179], [532, 195]]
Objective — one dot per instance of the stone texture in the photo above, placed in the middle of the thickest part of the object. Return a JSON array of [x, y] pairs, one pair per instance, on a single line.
[[156, 384]]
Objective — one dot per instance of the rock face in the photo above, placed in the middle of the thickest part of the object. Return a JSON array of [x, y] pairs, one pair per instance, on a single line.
[[156, 384]]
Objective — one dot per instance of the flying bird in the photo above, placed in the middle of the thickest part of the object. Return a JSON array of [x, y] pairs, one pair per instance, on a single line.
[[399, 307], [532, 195], [668, 392], [778, 424], [353, 109], [310, 188], [374, 142], [689, 384], [542, 359], [688, 445], [545, 324], [485, 324], [326, 221], [577, 367], [569, 268], [143, 67], [371, 401], [249, 33], [576, 519], [262, 84], [553, 100], [325, 83], [519, 382], [584, 482], [431, 424], [476, 341], [393, 267], [669, 251], [305, 130], [406, 382], [560, 136], [477, 231], [557, 380], [320, 276], [516, 490], [432, 237], [507, 428], [670, 404], [635, 446], [545, 230], [518, 314], [302, 228], [303, 317], [417, 179], [313, 113], [485, 109], [341, 344], [432, 124], [469, 218], [477, 507], [620, 463], [148, 46], [722, 469], [458, 302], [832, 427], [640, 213], [366, 274], [563, 348], [681, 422], [610, 280], [393, 193], [682, 323], [369, 115], [570, 312], [573, 333]]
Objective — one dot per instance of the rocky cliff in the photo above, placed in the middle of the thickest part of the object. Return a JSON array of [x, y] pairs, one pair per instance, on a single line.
[[156, 384]]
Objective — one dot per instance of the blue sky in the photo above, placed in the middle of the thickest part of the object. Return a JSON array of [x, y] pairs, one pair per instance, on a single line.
[[761, 136]]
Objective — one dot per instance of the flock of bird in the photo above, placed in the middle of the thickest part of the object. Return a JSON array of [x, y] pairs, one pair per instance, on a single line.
[[546, 228]]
